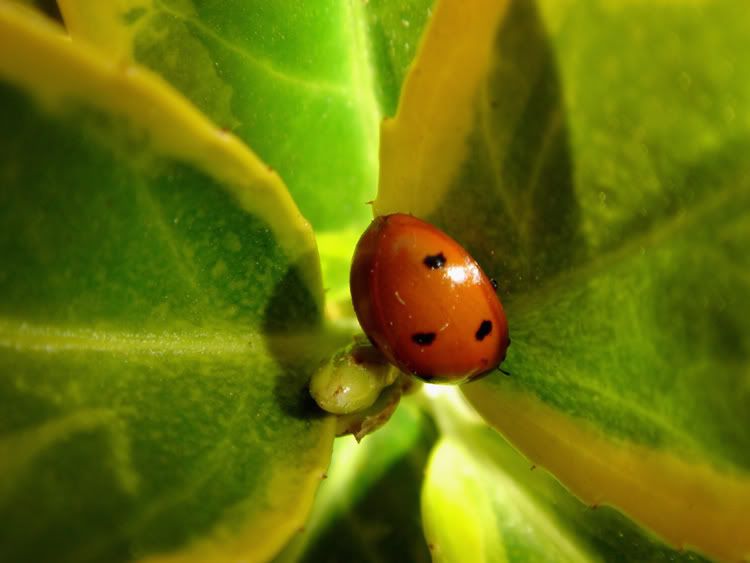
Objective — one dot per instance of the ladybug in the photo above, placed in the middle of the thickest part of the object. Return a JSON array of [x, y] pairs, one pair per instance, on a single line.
[[425, 303]]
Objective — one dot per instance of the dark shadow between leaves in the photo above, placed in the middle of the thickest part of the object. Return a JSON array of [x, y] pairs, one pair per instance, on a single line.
[[292, 313], [387, 500], [513, 204], [50, 9]]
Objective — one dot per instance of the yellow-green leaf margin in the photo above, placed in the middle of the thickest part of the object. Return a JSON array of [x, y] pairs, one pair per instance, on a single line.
[[417, 162], [686, 504], [46, 62]]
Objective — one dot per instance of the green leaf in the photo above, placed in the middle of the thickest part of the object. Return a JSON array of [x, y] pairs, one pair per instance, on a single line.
[[303, 83], [367, 509], [394, 30], [592, 156], [160, 305], [474, 512], [482, 501], [314, 118]]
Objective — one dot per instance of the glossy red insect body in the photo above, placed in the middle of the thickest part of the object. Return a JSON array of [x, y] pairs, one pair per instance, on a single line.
[[425, 302]]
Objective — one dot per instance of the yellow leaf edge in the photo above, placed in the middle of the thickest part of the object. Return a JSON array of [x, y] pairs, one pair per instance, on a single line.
[[101, 23], [424, 144], [686, 504], [37, 57]]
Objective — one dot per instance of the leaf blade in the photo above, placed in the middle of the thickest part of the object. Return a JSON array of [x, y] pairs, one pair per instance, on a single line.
[[145, 367]]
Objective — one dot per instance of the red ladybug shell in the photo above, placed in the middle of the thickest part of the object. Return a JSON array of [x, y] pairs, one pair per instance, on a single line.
[[425, 302]]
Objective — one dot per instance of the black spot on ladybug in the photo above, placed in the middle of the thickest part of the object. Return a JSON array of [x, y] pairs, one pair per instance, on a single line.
[[434, 261], [423, 338], [484, 329], [493, 281]]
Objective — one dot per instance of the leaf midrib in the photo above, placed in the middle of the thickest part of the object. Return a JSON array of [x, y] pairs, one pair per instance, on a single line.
[[23, 336], [264, 65]]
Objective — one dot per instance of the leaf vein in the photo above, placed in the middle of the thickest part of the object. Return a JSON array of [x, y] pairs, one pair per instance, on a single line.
[[582, 272], [23, 336], [261, 64]]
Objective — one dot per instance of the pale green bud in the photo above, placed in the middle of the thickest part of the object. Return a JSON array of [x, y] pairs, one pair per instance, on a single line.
[[352, 379]]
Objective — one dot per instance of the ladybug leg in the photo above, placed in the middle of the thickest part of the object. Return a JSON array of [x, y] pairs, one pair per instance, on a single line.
[[501, 370]]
